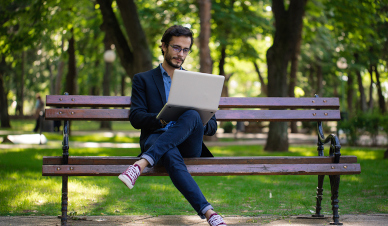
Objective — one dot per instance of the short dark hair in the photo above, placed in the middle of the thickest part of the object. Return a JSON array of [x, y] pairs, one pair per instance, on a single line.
[[176, 30]]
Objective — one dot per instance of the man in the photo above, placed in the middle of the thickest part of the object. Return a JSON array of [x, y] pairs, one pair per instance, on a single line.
[[168, 143]]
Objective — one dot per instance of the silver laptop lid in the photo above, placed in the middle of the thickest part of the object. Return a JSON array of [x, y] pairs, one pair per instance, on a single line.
[[195, 90]]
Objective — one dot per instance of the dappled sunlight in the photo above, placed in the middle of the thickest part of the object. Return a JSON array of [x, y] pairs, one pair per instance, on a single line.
[[352, 178], [307, 150], [38, 156], [253, 179], [31, 198], [383, 208], [245, 150], [361, 154], [25, 191], [100, 151], [161, 187], [83, 195], [4, 151]]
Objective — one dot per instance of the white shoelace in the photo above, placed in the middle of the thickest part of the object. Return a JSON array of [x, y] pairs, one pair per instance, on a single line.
[[216, 220], [133, 174]]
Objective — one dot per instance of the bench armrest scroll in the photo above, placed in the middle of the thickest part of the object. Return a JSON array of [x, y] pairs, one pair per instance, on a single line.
[[335, 146]]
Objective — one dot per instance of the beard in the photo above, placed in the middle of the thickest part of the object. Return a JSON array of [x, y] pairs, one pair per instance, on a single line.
[[169, 59]]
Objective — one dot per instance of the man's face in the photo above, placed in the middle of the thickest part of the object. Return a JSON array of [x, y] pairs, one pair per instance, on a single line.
[[172, 57]]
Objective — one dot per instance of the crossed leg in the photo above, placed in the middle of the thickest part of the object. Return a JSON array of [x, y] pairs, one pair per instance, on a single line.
[[183, 139]]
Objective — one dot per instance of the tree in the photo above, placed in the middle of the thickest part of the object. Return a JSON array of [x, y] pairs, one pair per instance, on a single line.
[[204, 36], [235, 28], [138, 43], [361, 30], [287, 24], [5, 123]]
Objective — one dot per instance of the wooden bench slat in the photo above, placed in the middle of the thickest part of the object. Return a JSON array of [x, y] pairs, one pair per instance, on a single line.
[[221, 115], [123, 160], [209, 170], [278, 115], [88, 114], [87, 101], [279, 102], [225, 102]]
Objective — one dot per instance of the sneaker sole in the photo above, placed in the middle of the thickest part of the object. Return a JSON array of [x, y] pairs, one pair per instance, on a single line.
[[126, 181]]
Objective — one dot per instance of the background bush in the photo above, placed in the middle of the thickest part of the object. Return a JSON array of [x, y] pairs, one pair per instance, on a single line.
[[370, 123]]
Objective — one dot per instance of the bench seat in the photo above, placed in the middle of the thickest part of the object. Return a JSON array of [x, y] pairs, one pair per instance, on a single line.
[[217, 166]]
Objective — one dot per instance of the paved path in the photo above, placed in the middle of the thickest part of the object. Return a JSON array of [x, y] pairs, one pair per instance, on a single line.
[[240, 139], [351, 220]]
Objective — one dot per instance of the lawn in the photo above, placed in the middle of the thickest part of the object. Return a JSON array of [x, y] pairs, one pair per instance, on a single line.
[[24, 191], [28, 125]]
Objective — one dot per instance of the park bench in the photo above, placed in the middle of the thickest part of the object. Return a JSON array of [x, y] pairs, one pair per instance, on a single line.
[[72, 107]]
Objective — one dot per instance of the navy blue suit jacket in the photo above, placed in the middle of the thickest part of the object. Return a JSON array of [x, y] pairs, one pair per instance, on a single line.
[[148, 98]]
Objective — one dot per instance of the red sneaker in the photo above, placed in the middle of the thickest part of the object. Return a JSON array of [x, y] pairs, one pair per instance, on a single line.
[[129, 176], [215, 220]]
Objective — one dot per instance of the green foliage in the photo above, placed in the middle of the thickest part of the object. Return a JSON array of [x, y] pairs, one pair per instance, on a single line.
[[332, 29], [370, 123], [228, 127]]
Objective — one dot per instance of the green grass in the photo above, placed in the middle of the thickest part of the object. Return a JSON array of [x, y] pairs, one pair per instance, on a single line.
[[27, 125], [95, 137], [24, 191]]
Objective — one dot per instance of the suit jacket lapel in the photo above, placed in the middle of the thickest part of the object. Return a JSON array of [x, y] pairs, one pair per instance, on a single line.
[[158, 78]]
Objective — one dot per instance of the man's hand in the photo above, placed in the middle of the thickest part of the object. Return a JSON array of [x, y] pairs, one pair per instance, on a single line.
[[164, 123]]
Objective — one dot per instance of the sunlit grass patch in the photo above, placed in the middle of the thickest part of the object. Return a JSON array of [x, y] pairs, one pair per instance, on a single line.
[[95, 137], [27, 125], [27, 192]]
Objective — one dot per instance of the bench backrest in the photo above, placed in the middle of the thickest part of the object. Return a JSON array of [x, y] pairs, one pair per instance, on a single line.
[[299, 109]]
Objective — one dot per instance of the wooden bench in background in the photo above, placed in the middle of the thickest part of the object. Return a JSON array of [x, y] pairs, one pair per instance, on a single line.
[[303, 109]]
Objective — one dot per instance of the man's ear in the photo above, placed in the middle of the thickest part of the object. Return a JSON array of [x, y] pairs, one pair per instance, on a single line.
[[164, 46]]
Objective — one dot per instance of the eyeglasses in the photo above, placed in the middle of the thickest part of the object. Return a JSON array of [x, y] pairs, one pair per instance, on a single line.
[[178, 49]]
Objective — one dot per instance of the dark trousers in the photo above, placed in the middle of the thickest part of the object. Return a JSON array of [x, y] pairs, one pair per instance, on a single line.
[[183, 139], [37, 125]]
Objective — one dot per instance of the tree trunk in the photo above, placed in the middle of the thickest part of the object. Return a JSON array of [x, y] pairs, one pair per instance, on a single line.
[[137, 37], [122, 84], [363, 106], [106, 81], [370, 103], [294, 70], [312, 79], [112, 26], [350, 95], [205, 59], [279, 55], [263, 85], [225, 91], [20, 90], [319, 78], [58, 79], [380, 92], [335, 85], [5, 121], [204, 36], [52, 78], [71, 78]]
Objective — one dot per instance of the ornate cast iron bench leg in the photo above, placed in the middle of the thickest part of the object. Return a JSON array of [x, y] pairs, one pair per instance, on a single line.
[[64, 200], [334, 184], [318, 206]]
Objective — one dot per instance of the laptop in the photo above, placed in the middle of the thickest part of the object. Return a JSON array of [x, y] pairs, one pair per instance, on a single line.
[[192, 90]]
